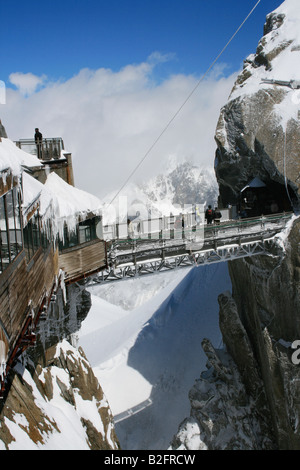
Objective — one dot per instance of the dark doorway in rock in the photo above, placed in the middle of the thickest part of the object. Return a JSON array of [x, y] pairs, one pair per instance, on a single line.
[[263, 198]]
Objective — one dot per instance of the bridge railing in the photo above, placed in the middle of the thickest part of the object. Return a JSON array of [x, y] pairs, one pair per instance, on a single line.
[[165, 228], [255, 224], [155, 227], [152, 228]]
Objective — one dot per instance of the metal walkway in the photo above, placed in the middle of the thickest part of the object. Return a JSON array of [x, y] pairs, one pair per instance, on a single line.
[[213, 244]]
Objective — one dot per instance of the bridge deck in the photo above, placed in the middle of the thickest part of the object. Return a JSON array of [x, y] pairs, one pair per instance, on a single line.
[[215, 243]]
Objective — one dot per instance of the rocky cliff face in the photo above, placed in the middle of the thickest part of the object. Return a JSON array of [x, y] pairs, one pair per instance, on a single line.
[[249, 398], [266, 293], [258, 135], [54, 400], [59, 406], [259, 128], [2, 131]]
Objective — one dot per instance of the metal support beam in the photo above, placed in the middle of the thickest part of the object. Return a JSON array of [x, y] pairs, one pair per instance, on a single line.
[[233, 240], [196, 258]]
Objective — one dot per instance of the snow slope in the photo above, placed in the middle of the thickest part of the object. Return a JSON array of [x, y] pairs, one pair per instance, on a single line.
[[143, 340]]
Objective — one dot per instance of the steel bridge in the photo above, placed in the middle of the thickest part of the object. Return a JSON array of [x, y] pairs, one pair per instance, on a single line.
[[155, 252]]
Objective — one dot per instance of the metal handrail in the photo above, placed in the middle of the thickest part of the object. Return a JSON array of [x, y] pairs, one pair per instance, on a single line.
[[45, 139], [209, 229], [46, 149]]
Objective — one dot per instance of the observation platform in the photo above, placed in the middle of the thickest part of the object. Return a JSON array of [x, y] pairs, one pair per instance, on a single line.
[[47, 149]]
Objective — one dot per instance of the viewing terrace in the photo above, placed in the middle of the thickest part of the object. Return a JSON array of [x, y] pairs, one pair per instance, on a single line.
[[47, 149]]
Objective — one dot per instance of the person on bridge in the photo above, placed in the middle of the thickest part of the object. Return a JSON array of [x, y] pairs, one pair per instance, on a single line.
[[209, 215], [217, 216], [38, 137], [130, 229]]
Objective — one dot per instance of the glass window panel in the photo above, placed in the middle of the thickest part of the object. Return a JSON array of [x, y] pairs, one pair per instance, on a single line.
[[72, 239], [87, 229], [19, 240], [28, 241], [18, 226], [36, 232], [11, 224], [47, 234], [84, 233], [4, 253]]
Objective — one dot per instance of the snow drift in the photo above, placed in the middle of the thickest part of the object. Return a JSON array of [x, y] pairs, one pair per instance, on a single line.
[[148, 356]]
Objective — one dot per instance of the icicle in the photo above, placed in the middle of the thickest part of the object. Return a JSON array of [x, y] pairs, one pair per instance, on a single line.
[[2, 359], [63, 285]]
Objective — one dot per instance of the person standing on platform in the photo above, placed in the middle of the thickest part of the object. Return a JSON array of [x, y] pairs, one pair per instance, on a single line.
[[38, 137]]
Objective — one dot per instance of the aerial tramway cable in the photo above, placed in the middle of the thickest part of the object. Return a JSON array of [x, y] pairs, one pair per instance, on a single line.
[[284, 168], [183, 104]]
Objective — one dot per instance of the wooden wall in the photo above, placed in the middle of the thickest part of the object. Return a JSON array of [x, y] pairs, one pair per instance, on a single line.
[[21, 283], [79, 261]]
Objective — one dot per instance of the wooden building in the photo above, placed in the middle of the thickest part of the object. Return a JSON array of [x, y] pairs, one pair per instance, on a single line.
[[29, 266], [34, 252]]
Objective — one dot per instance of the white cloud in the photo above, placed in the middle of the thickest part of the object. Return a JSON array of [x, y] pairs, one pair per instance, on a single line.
[[2, 92], [157, 57], [26, 83], [109, 120]]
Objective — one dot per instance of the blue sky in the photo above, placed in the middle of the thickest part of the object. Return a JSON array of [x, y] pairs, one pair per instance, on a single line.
[[108, 75], [57, 38]]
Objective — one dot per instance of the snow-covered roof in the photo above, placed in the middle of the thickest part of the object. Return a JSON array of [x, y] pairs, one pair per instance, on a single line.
[[255, 183], [32, 189], [58, 200], [13, 158], [69, 204]]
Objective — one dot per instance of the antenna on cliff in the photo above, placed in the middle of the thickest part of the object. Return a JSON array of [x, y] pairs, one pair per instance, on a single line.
[[284, 168], [184, 103]]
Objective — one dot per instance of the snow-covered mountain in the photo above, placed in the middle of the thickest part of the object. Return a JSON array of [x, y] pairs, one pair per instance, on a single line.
[[181, 186], [184, 184]]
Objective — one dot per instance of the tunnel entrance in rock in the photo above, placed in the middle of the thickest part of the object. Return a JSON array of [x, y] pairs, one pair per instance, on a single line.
[[263, 198]]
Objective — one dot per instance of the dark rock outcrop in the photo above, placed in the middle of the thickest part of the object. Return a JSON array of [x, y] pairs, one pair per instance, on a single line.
[[258, 136], [41, 407], [224, 416], [258, 131], [266, 293], [54, 400], [2, 131]]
